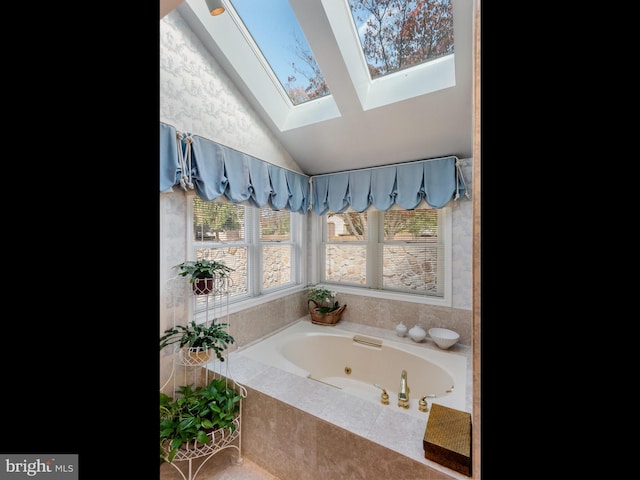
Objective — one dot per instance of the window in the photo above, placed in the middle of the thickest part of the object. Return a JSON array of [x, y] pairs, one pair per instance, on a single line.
[[276, 247], [402, 34], [261, 245], [278, 38], [402, 251]]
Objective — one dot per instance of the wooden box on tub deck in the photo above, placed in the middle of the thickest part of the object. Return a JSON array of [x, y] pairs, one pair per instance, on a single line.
[[447, 438]]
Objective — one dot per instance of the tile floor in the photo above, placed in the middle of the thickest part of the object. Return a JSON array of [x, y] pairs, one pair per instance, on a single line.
[[219, 467]]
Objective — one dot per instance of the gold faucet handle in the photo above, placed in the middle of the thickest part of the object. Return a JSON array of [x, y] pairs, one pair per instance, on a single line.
[[384, 396]]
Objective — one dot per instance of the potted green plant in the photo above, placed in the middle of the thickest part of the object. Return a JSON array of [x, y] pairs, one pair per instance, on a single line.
[[195, 416], [202, 273], [323, 298], [326, 310], [199, 340]]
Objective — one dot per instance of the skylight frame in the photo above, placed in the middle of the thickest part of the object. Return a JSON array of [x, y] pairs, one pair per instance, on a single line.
[[250, 35], [401, 85], [238, 47], [227, 35], [240, 25]]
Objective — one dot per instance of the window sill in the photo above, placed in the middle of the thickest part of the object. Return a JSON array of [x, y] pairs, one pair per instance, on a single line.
[[388, 295]]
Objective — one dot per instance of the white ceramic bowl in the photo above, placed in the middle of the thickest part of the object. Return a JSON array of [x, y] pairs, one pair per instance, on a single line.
[[443, 337]]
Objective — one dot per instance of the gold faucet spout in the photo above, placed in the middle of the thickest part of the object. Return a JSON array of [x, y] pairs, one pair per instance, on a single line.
[[403, 393]]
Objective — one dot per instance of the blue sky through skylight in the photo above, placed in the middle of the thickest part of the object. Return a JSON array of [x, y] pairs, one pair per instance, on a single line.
[[275, 29]]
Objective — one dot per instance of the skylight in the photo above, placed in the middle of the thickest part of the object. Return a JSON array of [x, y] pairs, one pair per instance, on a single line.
[[275, 32], [385, 50], [400, 34]]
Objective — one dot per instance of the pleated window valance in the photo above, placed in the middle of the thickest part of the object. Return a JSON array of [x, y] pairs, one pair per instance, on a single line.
[[213, 170], [437, 181]]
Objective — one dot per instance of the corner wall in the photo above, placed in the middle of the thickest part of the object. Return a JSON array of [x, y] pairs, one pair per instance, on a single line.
[[198, 97]]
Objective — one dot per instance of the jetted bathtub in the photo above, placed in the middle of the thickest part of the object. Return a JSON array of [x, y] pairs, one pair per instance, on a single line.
[[363, 365]]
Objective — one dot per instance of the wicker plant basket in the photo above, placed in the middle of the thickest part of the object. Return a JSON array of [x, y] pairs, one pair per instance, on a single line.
[[319, 318]]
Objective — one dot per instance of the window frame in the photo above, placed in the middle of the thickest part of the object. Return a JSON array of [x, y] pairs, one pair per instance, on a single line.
[[319, 236], [296, 226], [255, 295]]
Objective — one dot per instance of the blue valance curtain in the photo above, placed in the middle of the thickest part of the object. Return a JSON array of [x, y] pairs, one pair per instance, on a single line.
[[170, 154], [437, 181], [213, 170]]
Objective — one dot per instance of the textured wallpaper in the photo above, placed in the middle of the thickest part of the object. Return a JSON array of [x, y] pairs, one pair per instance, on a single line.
[[462, 227]]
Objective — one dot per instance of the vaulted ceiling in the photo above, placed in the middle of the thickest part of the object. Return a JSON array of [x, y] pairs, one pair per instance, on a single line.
[[356, 129]]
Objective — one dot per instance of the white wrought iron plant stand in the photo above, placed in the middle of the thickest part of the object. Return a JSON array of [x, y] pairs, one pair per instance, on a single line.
[[200, 370]]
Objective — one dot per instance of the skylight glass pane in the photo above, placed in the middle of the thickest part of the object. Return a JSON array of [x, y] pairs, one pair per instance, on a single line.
[[276, 32], [398, 34]]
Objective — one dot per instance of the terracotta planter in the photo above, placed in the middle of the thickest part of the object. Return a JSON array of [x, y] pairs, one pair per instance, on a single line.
[[202, 286], [197, 356]]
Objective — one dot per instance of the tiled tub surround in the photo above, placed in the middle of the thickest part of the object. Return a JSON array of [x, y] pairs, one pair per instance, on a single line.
[[254, 323], [298, 428]]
